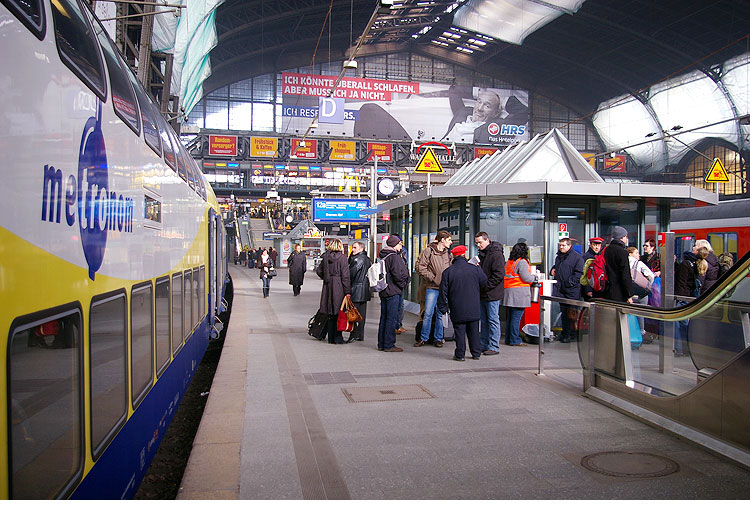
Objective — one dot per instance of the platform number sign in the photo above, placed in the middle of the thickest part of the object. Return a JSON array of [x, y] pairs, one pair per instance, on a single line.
[[562, 231]]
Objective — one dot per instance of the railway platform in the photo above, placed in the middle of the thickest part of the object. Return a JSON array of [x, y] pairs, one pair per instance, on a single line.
[[289, 417]]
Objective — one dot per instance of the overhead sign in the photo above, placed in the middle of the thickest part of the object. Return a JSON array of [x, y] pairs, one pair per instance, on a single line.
[[340, 210], [331, 110], [428, 163], [307, 149], [222, 145], [263, 146], [717, 173]]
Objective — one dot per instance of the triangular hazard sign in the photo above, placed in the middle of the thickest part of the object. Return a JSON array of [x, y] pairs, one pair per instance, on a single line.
[[428, 163], [717, 173]]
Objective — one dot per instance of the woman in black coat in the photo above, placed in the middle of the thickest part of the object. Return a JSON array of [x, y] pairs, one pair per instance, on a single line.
[[619, 280], [297, 266], [334, 271]]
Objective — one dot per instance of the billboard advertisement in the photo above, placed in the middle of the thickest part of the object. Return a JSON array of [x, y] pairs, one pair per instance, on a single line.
[[396, 110], [222, 145], [339, 210]]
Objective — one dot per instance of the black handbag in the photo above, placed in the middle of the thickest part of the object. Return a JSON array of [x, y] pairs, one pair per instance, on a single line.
[[317, 327], [272, 272]]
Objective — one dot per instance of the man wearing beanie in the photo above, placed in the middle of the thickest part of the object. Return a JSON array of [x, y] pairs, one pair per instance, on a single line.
[[460, 289], [396, 277], [619, 281]]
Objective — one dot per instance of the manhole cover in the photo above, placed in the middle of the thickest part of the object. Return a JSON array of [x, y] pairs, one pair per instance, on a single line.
[[630, 464], [386, 394]]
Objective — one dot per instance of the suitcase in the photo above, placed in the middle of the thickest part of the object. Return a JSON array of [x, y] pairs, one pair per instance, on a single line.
[[317, 327], [636, 338]]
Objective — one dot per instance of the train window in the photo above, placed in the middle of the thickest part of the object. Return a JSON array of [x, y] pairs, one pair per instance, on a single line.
[[188, 324], [148, 116], [182, 170], [201, 293], [123, 95], [683, 243], [30, 13], [45, 387], [176, 313], [162, 324], [169, 151], [152, 209], [77, 45], [196, 296], [109, 368], [724, 242], [141, 341]]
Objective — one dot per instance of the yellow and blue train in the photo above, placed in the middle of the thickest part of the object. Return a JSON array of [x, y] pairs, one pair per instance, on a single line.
[[112, 260]]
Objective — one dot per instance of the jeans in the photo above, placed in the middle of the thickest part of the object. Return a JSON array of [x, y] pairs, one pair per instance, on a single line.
[[490, 328], [430, 310], [681, 331], [513, 334], [400, 313], [388, 322], [266, 286]]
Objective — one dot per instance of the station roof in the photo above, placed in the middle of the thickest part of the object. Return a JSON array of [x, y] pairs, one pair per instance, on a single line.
[[602, 50]]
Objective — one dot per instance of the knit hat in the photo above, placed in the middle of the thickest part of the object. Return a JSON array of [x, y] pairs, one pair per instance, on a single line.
[[596, 240], [619, 232], [393, 240], [460, 250]]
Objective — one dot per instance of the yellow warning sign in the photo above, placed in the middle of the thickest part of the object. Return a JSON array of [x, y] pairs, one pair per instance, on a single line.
[[717, 173], [428, 163]]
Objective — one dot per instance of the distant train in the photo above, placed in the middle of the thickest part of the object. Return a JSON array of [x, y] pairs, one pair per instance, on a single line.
[[113, 264], [726, 226]]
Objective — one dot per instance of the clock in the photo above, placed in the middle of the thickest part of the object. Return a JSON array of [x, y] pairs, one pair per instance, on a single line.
[[386, 186]]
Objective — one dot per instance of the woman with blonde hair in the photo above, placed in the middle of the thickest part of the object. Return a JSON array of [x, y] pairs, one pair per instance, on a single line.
[[713, 270], [334, 271]]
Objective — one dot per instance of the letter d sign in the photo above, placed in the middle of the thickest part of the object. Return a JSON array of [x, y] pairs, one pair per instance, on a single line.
[[331, 110]]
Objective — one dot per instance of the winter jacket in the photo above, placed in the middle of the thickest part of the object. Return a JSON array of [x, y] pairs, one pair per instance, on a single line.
[[684, 279], [712, 274], [265, 267], [585, 289], [431, 264], [396, 273], [619, 280], [652, 262], [460, 289], [492, 262], [359, 264], [568, 270], [334, 271], [297, 266]]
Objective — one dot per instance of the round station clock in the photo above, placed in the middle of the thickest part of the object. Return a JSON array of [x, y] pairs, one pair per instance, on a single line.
[[386, 186]]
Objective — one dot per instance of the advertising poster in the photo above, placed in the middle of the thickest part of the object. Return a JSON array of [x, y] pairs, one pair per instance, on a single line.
[[222, 145], [482, 151], [342, 150], [263, 146], [384, 151], [419, 111], [307, 149]]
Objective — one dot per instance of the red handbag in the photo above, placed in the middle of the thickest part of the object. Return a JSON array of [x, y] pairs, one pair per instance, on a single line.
[[342, 321]]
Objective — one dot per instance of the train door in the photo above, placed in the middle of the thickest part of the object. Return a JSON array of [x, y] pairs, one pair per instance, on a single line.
[[574, 221], [211, 265]]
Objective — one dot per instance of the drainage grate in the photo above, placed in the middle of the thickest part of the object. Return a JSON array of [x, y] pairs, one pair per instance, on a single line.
[[386, 394], [630, 464]]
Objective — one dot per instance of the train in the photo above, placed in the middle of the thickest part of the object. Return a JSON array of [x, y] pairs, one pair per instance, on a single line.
[[725, 225], [113, 267]]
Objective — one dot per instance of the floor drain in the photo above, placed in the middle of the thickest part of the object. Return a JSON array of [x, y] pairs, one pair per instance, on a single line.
[[630, 464], [386, 393]]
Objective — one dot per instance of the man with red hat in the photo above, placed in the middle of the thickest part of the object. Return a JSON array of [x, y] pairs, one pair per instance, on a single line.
[[595, 248], [460, 289]]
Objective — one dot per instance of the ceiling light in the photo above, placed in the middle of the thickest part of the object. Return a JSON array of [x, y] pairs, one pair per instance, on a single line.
[[350, 64]]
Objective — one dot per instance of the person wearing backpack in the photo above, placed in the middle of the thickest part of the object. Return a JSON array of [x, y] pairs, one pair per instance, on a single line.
[[688, 281], [595, 247], [619, 281], [396, 278], [359, 264]]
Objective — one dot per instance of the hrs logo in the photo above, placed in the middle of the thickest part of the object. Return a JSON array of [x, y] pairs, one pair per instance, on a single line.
[[87, 196]]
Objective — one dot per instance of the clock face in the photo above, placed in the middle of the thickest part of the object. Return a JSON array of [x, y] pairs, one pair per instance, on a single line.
[[386, 186]]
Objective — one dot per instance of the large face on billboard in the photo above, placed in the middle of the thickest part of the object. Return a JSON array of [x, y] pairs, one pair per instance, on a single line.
[[384, 109]]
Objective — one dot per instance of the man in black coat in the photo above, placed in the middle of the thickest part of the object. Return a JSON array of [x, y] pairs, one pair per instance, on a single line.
[[460, 288], [567, 272], [396, 277], [619, 281], [492, 262], [359, 263], [297, 263]]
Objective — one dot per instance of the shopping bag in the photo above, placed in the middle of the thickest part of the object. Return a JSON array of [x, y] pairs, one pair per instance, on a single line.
[[342, 321], [655, 298], [636, 339]]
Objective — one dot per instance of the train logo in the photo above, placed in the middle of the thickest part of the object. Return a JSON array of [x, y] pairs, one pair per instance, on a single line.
[[99, 210]]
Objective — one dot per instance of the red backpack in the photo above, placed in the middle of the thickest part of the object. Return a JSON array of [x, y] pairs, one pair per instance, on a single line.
[[596, 274]]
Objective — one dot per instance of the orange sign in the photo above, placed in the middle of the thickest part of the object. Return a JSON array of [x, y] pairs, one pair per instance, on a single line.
[[614, 164], [481, 152], [222, 145], [428, 163], [263, 146], [308, 151], [590, 158], [342, 150], [384, 151]]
